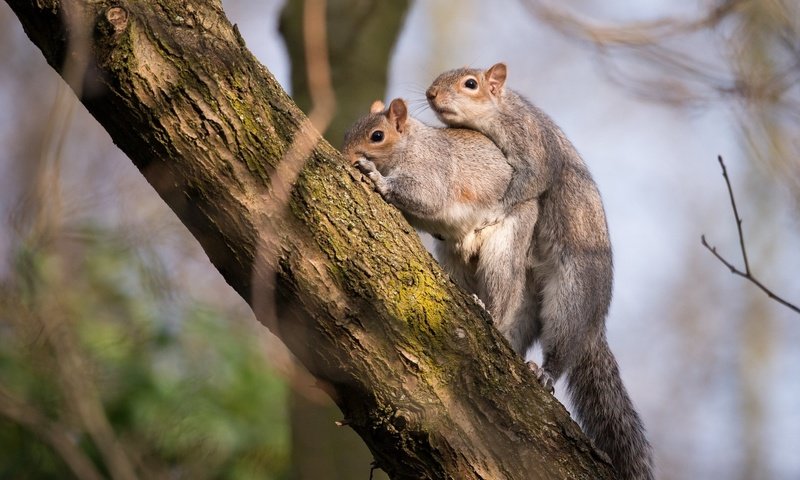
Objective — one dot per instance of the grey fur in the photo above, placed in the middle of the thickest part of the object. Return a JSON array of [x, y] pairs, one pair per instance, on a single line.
[[570, 261], [451, 183]]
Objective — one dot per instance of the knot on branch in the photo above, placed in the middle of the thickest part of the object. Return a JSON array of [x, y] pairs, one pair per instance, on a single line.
[[118, 18]]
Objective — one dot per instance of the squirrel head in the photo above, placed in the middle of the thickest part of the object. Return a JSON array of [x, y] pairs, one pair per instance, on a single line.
[[376, 136], [466, 96]]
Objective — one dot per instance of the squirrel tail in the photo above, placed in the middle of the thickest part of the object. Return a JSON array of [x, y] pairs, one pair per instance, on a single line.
[[606, 412]]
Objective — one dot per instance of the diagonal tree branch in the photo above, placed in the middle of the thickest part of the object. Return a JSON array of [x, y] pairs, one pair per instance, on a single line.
[[417, 369], [746, 273]]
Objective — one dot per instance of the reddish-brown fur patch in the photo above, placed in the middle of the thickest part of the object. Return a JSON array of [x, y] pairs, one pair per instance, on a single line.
[[466, 194]]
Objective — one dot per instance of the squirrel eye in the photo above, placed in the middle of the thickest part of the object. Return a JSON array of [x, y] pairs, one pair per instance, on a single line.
[[471, 84], [376, 136]]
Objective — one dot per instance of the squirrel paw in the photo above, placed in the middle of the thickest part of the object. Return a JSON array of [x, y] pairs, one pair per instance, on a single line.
[[479, 302], [365, 166], [543, 377], [368, 168]]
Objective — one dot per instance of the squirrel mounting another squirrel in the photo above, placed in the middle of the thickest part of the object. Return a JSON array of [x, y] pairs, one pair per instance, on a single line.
[[571, 253], [523, 227]]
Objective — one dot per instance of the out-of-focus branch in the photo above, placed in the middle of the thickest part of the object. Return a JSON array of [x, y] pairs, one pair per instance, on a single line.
[[631, 34], [308, 135], [746, 273], [360, 37], [322, 99], [43, 211], [49, 432], [682, 77], [654, 43], [738, 53], [82, 395]]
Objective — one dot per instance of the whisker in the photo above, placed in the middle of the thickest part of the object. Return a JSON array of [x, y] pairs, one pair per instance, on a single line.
[[419, 109], [410, 85], [416, 111], [414, 89]]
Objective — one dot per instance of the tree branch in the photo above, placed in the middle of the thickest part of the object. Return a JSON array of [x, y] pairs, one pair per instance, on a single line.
[[418, 370], [50, 432], [746, 273]]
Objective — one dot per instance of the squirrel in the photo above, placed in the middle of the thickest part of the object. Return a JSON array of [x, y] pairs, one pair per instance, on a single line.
[[450, 183], [570, 254]]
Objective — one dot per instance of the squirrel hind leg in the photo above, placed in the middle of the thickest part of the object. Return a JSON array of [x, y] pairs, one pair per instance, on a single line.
[[503, 278]]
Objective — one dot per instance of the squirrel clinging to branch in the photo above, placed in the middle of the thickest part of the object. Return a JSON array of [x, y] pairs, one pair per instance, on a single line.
[[450, 183]]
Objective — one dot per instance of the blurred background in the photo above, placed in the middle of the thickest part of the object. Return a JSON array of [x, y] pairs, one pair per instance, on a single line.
[[123, 353]]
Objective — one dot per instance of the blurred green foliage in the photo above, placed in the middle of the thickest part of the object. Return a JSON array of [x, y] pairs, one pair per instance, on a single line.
[[186, 388]]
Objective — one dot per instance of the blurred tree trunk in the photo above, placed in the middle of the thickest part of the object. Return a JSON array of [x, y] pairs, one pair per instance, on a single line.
[[361, 35], [417, 369]]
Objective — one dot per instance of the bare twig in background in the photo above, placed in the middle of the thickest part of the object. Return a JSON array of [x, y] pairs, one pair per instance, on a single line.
[[746, 273], [51, 433], [306, 138]]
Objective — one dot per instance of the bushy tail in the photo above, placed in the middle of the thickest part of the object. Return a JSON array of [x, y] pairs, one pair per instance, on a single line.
[[606, 413]]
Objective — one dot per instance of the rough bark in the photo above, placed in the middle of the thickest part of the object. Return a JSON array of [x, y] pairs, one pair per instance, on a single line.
[[417, 369]]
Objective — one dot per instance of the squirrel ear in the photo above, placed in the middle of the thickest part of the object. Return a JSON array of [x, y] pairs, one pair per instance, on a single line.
[[496, 77], [398, 114], [377, 106]]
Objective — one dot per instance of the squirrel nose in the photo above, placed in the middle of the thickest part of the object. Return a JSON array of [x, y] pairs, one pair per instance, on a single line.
[[431, 93]]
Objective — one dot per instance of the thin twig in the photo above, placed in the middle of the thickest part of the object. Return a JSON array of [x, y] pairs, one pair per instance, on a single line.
[[735, 214], [746, 273]]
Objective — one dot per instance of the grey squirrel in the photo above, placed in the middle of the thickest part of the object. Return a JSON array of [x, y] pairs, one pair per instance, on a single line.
[[431, 175], [570, 254]]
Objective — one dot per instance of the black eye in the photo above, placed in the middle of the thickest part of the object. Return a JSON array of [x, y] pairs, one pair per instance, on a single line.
[[471, 84], [376, 136]]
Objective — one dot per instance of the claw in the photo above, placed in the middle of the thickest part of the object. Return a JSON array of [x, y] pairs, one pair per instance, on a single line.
[[366, 166], [479, 301], [543, 377]]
